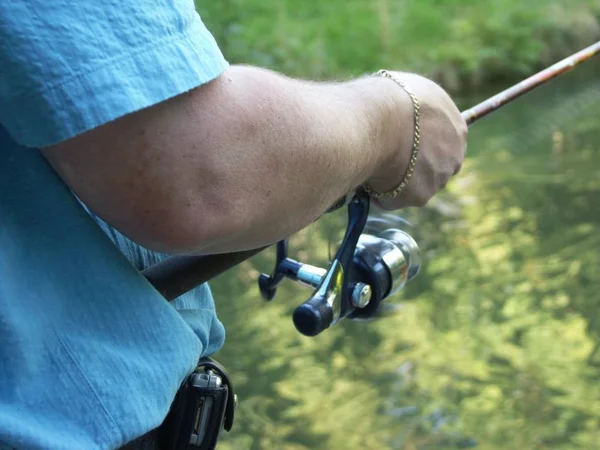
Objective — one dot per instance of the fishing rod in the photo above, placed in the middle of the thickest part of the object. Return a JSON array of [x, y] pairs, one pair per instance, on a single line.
[[475, 113], [367, 268]]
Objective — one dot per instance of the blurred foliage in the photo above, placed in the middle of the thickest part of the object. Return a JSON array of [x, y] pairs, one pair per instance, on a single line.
[[460, 43], [496, 345]]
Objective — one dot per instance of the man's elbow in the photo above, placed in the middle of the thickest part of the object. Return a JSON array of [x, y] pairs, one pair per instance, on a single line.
[[179, 229]]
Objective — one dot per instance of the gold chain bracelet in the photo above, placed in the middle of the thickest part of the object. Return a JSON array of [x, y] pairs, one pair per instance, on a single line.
[[416, 140]]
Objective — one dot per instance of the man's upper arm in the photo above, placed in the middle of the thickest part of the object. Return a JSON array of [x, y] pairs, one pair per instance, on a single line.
[[68, 67]]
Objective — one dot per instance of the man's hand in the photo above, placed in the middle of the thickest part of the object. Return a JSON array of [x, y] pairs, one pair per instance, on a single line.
[[442, 145]]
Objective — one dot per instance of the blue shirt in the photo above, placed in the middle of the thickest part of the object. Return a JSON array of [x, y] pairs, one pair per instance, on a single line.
[[90, 354]]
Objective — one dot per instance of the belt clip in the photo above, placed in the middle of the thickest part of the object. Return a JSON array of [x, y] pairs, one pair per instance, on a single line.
[[208, 364], [204, 404]]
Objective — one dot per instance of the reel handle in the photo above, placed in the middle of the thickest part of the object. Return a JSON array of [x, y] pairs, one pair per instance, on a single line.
[[332, 299], [312, 317]]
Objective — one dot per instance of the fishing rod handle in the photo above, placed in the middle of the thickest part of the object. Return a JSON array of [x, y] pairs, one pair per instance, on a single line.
[[177, 275]]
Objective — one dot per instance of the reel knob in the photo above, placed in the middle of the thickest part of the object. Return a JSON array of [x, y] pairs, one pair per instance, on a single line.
[[313, 317], [324, 307]]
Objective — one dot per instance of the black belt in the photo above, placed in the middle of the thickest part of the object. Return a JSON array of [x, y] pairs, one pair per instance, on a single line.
[[148, 441]]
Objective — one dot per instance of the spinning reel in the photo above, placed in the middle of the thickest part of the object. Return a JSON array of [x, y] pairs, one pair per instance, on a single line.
[[368, 267]]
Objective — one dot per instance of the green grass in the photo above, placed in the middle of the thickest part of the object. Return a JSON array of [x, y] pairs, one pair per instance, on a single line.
[[463, 44]]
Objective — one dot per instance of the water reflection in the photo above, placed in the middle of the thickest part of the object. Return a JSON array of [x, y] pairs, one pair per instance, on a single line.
[[495, 345]]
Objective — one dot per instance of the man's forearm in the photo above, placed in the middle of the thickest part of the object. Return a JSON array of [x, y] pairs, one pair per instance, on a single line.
[[238, 163]]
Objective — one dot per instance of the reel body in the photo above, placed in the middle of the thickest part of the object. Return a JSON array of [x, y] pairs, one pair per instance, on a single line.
[[367, 268]]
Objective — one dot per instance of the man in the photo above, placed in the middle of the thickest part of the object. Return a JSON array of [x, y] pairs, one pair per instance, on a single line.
[[130, 106]]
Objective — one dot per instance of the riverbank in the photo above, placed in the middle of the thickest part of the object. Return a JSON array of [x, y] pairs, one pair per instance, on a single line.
[[463, 45]]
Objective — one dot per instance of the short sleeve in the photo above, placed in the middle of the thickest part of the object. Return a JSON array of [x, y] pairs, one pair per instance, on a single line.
[[69, 66]]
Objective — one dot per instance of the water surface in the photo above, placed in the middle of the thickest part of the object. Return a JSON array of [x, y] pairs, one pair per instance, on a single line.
[[496, 345]]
